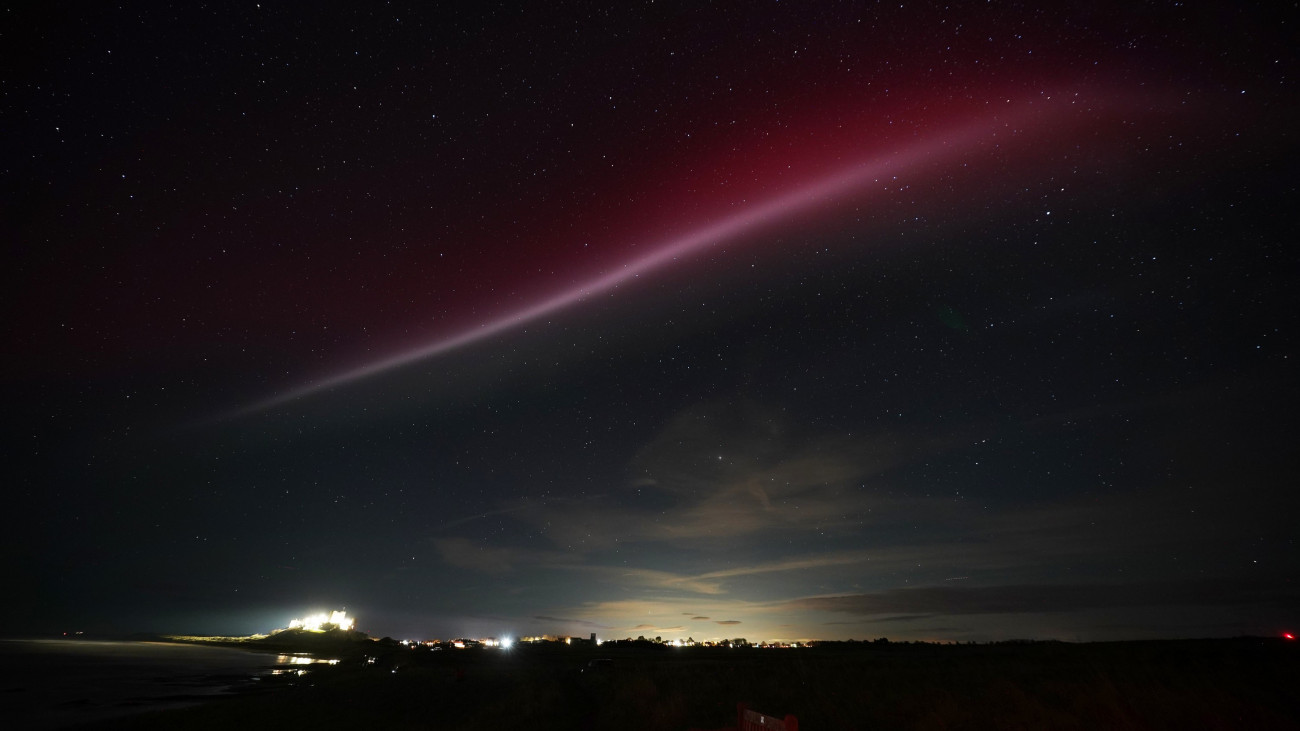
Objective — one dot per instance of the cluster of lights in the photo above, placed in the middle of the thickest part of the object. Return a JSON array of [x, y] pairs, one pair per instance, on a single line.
[[503, 643], [316, 622]]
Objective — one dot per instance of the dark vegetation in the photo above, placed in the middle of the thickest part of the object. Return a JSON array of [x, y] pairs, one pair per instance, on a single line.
[[1192, 684]]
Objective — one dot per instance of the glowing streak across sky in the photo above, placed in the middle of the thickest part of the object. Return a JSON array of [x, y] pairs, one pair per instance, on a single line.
[[824, 191]]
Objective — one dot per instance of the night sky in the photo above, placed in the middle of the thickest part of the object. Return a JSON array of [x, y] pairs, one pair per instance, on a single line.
[[767, 320]]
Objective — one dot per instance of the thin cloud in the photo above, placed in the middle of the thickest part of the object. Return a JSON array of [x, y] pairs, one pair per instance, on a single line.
[[653, 628], [1022, 599], [569, 620], [466, 554], [479, 516], [794, 564]]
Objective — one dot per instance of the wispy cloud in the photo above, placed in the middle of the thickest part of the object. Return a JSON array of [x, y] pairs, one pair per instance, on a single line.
[[653, 628], [571, 621], [466, 554], [722, 474], [637, 577], [479, 516], [689, 536], [800, 563], [1053, 598]]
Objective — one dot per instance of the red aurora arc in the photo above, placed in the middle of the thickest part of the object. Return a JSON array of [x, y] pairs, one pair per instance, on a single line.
[[1003, 136]]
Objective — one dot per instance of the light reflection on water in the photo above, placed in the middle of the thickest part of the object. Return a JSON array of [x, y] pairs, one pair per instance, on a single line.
[[303, 660], [51, 684], [299, 660]]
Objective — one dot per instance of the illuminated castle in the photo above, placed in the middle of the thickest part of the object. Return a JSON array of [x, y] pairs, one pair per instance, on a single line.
[[323, 622]]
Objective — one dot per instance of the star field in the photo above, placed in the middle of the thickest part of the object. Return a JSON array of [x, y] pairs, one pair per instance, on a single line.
[[827, 321]]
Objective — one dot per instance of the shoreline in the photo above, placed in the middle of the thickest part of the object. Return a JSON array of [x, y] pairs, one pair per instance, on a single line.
[[58, 683]]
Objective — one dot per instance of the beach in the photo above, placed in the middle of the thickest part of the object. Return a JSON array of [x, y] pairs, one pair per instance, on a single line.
[[62, 683]]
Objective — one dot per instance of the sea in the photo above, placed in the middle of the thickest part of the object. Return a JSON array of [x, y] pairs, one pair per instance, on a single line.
[[58, 683]]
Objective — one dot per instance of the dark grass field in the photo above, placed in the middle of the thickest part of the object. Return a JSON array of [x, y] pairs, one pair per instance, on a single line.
[[1193, 684]]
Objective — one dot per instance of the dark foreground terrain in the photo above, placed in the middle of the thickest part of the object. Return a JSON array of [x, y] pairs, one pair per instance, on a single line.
[[1201, 684]]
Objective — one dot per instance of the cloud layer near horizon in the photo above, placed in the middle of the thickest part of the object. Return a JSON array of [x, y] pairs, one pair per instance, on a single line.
[[814, 515]]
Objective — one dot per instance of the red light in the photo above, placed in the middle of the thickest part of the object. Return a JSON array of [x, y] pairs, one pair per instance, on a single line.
[[1288, 636]]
